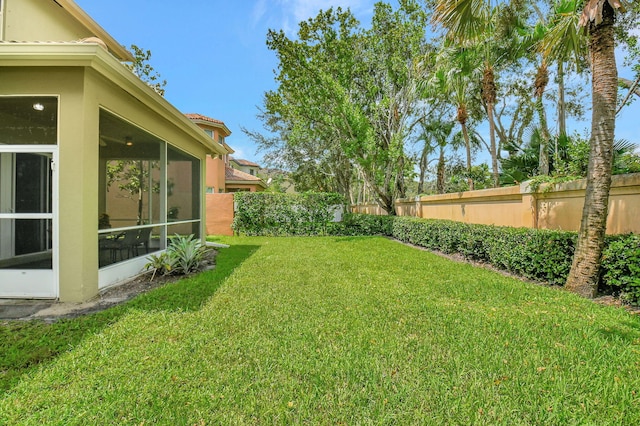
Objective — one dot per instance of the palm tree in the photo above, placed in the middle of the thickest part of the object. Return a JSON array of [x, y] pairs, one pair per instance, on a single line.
[[439, 131], [559, 41], [598, 16], [471, 22], [456, 69]]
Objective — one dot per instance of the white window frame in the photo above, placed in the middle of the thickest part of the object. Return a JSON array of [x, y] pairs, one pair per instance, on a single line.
[[1, 20]]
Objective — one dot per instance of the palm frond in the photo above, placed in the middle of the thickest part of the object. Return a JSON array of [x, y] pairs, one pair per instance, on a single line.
[[463, 19]]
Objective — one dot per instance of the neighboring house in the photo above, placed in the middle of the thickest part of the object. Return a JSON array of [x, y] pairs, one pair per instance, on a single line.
[[216, 164], [224, 173], [238, 181], [96, 169], [244, 166]]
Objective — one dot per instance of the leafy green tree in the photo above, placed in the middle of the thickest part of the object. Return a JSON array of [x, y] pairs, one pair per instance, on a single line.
[[353, 91], [145, 72]]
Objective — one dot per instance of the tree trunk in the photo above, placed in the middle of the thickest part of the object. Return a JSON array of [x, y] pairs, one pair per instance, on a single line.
[[583, 277], [494, 153], [543, 159], [542, 78], [423, 170], [440, 173], [562, 110], [489, 96], [467, 146]]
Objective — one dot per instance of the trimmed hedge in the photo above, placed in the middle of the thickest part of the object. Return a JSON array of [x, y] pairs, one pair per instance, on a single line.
[[276, 214], [621, 267], [537, 254]]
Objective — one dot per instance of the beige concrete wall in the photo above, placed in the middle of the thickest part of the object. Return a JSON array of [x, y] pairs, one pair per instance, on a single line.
[[219, 214], [560, 206], [40, 20], [488, 206], [551, 207]]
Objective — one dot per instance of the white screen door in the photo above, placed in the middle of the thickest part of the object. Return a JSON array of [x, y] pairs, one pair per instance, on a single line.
[[28, 255]]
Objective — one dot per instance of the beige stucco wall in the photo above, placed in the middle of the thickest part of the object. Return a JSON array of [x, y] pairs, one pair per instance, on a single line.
[[561, 206], [488, 206], [550, 207], [76, 169], [219, 214], [42, 20]]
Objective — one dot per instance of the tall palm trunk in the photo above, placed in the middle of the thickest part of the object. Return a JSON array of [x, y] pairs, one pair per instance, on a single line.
[[583, 277], [440, 172], [562, 109], [489, 94], [423, 164], [542, 78], [462, 119]]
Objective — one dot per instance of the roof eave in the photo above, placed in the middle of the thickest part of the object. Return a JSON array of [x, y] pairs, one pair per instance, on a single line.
[[81, 16], [94, 56], [222, 126]]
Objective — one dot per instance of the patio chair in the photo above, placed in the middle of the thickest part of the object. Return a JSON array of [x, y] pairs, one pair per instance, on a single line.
[[127, 242], [143, 240]]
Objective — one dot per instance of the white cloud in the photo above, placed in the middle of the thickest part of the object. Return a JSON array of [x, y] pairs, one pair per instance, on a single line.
[[258, 12], [239, 152], [286, 14]]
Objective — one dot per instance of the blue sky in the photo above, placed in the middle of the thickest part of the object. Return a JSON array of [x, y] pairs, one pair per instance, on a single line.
[[214, 57], [212, 52]]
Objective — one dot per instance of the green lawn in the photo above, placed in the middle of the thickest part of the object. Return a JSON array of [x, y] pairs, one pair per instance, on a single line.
[[331, 331]]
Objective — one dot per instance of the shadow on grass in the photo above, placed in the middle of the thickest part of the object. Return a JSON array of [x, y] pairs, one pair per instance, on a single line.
[[629, 335], [26, 344]]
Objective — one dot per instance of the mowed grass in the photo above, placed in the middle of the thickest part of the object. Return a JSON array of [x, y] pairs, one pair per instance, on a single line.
[[345, 331]]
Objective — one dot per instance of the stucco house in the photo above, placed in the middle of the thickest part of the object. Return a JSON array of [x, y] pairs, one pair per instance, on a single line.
[[96, 169], [245, 166], [224, 173]]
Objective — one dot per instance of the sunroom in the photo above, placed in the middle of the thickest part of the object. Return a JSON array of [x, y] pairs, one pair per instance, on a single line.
[[97, 171]]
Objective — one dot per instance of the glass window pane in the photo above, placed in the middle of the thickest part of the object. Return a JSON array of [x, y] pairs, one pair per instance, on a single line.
[[183, 186], [33, 178], [118, 246], [25, 243], [184, 229], [129, 180], [28, 120]]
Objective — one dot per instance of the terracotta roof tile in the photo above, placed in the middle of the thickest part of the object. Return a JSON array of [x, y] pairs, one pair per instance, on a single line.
[[245, 162], [203, 118], [237, 175]]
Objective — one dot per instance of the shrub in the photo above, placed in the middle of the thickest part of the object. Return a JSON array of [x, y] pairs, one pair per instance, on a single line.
[[621, 267], [531, 253], [361, 224], [184, 255], [274, 214]]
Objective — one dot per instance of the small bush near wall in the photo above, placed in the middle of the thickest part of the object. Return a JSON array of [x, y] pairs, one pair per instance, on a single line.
[[621, 267], [262, 213]]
